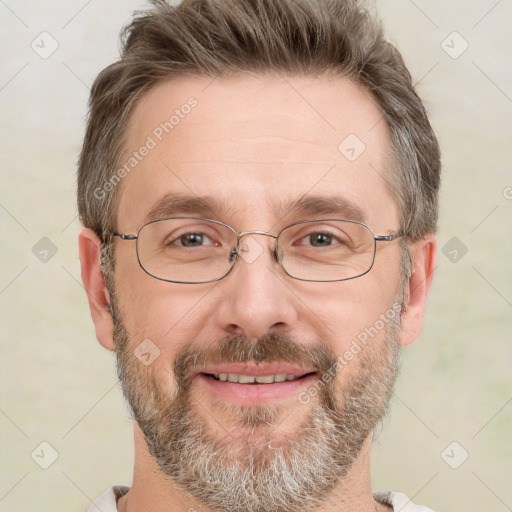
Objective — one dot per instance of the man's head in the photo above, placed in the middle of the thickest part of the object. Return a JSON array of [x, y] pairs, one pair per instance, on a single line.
[[212, 38], [257, 115]]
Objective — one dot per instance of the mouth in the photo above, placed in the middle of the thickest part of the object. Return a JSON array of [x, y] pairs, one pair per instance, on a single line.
[[256, 379], [251, 384]]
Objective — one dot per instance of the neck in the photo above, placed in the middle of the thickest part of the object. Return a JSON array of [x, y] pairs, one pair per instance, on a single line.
[[152, 490]]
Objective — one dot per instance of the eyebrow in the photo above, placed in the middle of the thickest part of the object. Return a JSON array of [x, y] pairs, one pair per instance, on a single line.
[[335, 206], [173, 204]]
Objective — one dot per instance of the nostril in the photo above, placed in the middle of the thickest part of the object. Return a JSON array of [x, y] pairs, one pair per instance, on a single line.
[[234, 329]]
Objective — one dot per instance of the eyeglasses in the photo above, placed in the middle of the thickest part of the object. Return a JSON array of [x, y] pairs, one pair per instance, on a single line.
[[192, 250]]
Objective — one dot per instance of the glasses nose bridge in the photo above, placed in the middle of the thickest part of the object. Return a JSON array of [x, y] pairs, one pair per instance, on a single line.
[[243, 234], [257, 232]]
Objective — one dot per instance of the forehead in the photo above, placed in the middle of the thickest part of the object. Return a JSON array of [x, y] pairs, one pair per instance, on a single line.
[[253, 146]]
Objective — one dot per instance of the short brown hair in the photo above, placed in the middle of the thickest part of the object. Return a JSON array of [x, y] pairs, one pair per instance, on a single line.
[[297, 37]]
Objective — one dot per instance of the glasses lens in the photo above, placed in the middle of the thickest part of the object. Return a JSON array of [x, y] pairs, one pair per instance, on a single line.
[[187, 250], [327, 250]]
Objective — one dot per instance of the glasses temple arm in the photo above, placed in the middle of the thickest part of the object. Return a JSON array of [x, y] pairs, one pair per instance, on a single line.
[[389, 238], [125, 237]]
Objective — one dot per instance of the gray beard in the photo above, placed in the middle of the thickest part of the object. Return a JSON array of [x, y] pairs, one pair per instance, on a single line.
[[261, 471]]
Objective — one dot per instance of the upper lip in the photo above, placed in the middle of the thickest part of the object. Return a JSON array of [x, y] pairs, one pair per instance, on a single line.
[[256, 370]]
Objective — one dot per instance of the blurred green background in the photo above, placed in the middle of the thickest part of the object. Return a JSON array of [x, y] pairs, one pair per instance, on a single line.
[[447, 442]]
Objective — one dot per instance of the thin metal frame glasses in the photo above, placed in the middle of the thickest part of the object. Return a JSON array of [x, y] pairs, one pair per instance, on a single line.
[[196, 250]]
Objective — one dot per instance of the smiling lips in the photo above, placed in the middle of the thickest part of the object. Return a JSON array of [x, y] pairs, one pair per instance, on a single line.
[[252, 379], [253, 383], [263, 373]]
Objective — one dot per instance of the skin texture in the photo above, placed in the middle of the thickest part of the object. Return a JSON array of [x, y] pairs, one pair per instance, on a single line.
[[256, 144]]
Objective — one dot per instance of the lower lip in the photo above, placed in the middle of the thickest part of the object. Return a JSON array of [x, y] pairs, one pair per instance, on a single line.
[[255, 394]]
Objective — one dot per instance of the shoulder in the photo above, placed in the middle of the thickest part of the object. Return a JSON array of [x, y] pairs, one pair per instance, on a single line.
[[107, 502], [399, 501]]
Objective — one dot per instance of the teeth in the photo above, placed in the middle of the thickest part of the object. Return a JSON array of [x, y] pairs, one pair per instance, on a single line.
[[250, 379], [245, 379], [265, 379]]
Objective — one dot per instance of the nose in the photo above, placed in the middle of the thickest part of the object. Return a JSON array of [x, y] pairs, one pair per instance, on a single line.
[[255, 296]]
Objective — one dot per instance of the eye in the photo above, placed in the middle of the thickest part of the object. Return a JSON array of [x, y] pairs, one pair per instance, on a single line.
[[323, 239], [192, 240], [318, 239]]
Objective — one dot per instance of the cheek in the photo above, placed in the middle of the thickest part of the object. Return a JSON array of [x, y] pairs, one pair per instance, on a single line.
[[352, 316], [351, 305], [168, 314]]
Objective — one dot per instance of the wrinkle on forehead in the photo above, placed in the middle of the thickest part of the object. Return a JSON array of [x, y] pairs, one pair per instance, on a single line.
[[256, 142]]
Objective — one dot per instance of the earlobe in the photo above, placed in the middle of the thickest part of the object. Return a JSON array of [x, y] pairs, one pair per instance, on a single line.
[[89, 246], [423, 253]]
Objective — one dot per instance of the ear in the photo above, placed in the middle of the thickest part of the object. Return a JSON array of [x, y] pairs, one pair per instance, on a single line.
[[423, 253], [89, 246]]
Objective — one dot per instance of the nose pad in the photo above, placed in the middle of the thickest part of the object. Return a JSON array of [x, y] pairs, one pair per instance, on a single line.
[[250, 249], [277, 254]]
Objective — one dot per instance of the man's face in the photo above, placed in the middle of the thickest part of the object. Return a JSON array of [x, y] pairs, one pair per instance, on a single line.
[[256, 147]]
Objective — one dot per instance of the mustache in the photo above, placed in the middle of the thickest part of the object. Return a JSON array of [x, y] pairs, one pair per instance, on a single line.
[[270, 348]]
